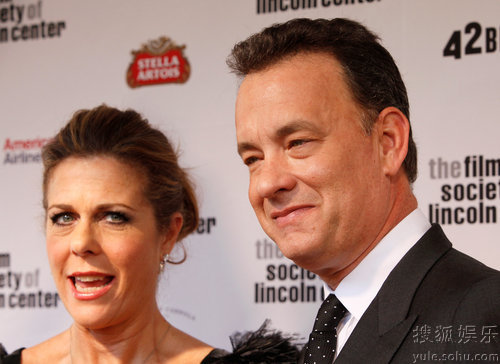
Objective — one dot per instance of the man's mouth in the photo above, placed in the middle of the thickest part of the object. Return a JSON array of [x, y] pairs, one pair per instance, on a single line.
[[289, 210], [290, 214]]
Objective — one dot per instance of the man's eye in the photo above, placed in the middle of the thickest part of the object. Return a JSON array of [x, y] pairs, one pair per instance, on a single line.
[[116, 217], [297, 143], [250, 160], [63, 218]]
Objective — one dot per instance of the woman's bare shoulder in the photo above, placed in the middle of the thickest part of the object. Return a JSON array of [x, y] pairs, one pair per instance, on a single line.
[[184, 348], [53, 350]]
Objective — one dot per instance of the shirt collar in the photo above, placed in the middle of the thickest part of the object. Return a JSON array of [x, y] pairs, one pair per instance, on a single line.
[[358, 289]]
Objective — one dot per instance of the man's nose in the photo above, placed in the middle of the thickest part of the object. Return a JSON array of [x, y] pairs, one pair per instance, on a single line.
[[83, 239], [273, 178]]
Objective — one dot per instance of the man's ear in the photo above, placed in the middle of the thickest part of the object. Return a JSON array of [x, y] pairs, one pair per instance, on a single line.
[[171, 233], [393, 132]]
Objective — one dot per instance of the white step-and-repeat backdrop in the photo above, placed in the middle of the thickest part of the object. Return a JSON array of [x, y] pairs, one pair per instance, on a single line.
[[58, 56]]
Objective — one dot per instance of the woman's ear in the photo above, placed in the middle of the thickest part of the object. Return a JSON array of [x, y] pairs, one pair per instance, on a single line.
[[171, 233], [393, 133]]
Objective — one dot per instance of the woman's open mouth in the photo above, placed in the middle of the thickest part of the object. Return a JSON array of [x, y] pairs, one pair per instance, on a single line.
[[87, 286]]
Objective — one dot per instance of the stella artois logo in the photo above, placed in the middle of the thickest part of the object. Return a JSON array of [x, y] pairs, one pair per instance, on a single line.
[[158, 61]]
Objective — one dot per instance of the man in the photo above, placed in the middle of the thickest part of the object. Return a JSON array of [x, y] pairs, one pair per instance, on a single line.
[[322, 122]]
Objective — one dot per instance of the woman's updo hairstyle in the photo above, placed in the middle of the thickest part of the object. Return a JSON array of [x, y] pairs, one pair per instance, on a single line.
[[128, 137]]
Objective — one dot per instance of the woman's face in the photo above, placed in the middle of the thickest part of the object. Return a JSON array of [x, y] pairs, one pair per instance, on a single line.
[[103, 243]]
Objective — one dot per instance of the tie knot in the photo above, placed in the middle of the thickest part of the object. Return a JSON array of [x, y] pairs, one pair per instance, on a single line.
[[329, 315]]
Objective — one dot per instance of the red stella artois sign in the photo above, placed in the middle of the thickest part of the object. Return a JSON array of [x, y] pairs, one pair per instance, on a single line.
[[158, 61]]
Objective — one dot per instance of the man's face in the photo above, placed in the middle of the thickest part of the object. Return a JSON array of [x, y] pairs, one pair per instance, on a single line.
[[316, 179]]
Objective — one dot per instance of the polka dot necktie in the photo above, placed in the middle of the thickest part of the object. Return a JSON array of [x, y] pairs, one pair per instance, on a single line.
[[322, 342]]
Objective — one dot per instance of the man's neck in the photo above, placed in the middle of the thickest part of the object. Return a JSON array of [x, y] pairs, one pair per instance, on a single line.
[[405, 203]]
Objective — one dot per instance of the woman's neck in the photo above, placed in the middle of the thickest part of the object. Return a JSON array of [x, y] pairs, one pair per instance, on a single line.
[[141, 340]]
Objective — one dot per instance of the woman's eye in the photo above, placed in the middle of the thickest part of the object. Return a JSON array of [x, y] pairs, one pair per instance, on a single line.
[[116, 217], [63, 218]]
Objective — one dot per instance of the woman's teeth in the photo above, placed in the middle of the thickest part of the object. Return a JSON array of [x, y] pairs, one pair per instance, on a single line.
[[90, 284]]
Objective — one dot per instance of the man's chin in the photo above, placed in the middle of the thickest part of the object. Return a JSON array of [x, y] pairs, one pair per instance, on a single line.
[[300, 253]]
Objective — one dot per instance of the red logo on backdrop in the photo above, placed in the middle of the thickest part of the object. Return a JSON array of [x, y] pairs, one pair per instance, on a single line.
[[158, 61]]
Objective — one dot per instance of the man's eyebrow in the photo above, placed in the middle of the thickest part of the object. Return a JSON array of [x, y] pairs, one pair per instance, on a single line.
[[243, 147], [284, 131], [294, 126]]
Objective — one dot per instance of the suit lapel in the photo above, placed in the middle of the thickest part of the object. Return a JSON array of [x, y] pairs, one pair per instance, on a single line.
[[386, 322]]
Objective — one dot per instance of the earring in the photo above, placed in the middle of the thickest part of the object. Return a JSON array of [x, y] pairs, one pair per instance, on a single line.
[[163, 261]]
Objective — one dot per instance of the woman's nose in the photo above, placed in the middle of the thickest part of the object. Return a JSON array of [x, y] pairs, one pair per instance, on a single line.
[[83, 239]]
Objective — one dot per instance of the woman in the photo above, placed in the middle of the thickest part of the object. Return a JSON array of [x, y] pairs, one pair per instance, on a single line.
[[116, 203]]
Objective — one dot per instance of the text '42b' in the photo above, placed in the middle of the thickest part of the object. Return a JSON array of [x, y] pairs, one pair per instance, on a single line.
[[475, 40]]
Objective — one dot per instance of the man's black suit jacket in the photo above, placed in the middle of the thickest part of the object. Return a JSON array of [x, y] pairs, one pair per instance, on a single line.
[[437, 305]]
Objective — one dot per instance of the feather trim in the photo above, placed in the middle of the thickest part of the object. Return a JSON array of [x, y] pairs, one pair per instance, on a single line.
[[263, 346]]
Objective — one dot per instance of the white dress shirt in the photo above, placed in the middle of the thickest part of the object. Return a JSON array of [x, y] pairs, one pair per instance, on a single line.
[[358, 289]]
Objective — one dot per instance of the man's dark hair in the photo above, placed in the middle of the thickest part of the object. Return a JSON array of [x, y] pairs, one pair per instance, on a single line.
[[370, 71]]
